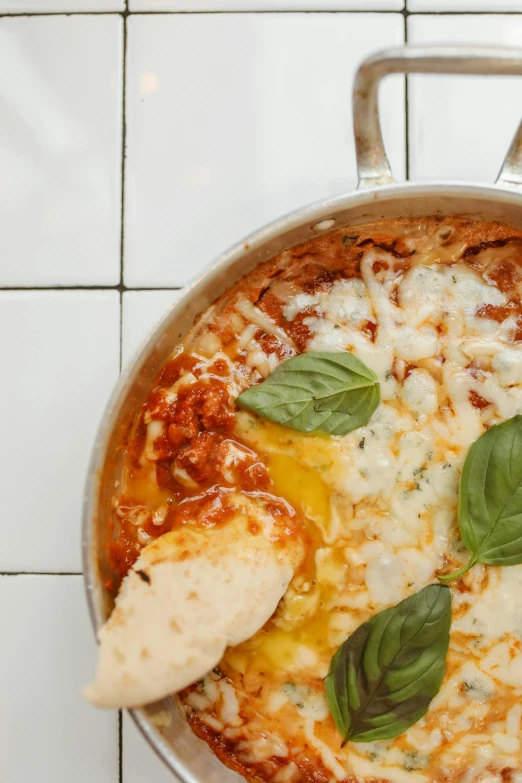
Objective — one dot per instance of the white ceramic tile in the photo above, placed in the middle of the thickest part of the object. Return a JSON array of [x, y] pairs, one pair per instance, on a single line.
[[48, 734], [142, 310], [461, 126], [464, 5], [60, 150], [49, 6], [235, 119], [60, 360], [265, 5], [140, 762]]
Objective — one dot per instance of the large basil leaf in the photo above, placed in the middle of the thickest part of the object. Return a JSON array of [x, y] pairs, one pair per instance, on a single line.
[[327, 392], [490, 498], [383, 678]]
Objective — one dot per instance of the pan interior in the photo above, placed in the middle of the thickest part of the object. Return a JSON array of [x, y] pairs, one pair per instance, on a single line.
[[186, 755]]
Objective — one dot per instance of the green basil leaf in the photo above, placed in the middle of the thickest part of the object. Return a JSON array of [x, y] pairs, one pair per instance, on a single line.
[[326, 392], [490, 498], [384, 676]]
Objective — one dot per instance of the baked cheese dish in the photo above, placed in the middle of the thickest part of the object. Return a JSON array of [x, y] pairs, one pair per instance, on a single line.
[[335, 521]]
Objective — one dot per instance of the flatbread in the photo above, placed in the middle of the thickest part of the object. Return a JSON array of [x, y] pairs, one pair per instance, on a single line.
[[189, 596]]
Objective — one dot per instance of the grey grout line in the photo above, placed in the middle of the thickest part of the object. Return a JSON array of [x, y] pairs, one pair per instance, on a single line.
[[404, 11], [121, 331], [41, 573], [268, 11], [465, 13], [120, 746], [126, 13], [60, 288], [17, 14], [406, 107], [126, 289], [123, 142], [122, 193], [180, 13], [122, 289]]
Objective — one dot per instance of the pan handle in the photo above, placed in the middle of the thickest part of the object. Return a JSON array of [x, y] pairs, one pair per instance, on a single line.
[[372, 164]]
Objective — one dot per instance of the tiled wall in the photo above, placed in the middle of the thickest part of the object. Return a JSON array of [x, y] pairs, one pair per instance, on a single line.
[[136, 143]]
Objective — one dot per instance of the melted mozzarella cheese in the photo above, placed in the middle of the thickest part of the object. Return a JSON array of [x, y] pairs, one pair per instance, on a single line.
[[420, 392], [483, 619], [388, 518]]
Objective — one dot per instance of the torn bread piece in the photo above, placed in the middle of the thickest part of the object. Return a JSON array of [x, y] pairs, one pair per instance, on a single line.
[[190, 594]]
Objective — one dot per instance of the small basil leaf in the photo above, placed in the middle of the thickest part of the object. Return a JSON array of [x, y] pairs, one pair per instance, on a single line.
[[490, 498], [327, 392], [384, 676]]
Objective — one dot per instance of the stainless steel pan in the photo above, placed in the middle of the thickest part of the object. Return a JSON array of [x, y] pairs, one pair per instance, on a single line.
[[377, 196]]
